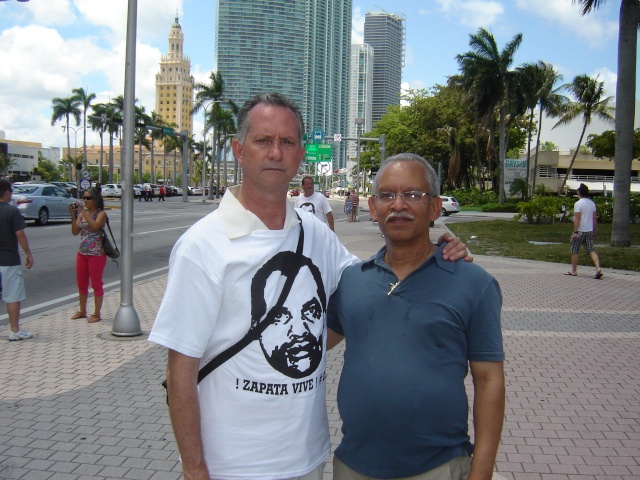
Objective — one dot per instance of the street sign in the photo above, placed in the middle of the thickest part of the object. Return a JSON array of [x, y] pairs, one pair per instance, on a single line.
[[85, 174], [337, 137], [317, 135], [85, 183], [167, 131]]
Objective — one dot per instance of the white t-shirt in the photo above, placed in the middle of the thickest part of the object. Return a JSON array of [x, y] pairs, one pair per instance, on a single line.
[[263, 411], [316, 204], [586, 207]]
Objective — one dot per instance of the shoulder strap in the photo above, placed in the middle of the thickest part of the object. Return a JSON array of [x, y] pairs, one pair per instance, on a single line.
[[255, 333]]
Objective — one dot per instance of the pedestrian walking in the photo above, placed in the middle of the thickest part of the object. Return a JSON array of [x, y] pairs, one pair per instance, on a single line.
[[12, 234], [584, 231], [161, 193]]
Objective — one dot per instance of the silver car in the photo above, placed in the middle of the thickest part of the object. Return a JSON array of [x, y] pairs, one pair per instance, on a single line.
[[449, 205], [42, 202]]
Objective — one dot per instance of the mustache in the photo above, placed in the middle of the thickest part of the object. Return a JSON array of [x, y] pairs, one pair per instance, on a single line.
[[406, 215]]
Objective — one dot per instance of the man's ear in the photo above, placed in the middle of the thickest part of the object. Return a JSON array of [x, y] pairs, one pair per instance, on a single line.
[[236, 146], [435, 208], [372, 208]]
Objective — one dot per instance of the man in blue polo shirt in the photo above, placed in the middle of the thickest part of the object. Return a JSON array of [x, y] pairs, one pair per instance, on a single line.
[[414, 326]]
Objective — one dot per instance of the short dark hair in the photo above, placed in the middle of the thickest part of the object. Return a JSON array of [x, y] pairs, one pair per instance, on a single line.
[[307, 178], [583, 190], [4, 186], [275, 99]]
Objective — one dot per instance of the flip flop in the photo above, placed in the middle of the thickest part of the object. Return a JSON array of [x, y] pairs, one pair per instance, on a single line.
[[93, 319], [571, 274], [78, 315], [599, 275]]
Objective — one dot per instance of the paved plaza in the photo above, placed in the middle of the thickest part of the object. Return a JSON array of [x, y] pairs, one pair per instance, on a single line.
[[78, 403]]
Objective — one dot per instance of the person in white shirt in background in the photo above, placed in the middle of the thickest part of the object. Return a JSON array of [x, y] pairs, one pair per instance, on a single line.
[[314, 202]]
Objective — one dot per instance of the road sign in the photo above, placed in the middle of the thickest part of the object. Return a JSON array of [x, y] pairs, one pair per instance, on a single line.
[[312, 148], [337, 137], [85, 174], [85, 183], [317, 135], [167, 131]]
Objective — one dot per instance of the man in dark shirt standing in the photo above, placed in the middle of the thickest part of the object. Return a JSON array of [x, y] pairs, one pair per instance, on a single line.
[[12, 227]]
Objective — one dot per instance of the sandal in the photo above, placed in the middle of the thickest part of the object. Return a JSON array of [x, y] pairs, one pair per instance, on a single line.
[[599, 275], [571, 274], [94, 318], [78, 315]]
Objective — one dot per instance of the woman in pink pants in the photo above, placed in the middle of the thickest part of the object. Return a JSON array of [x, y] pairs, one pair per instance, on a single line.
[[88, 221]]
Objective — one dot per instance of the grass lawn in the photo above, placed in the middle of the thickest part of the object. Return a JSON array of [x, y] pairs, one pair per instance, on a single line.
[[511, 239]]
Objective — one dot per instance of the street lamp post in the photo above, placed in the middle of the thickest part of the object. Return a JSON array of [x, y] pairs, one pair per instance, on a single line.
[[359, 122]]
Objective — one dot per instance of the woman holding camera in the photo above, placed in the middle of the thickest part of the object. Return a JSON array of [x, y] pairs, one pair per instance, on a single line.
[[88, 221]]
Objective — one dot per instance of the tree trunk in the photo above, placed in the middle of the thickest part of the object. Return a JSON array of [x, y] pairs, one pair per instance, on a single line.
[[502, 154], [573, 159], [110, 157], [529, 148], [478, 162], [535, 160], [625, 111]]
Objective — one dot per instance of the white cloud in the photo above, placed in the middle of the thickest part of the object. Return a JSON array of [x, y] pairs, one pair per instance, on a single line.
[[52, 12], [566, 15], [472, 13], [357, 26]]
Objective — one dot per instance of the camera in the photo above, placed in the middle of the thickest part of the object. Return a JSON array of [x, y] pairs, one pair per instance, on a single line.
[[75, 206]]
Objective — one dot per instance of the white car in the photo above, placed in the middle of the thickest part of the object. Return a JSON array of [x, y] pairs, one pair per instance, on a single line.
[[449, 205], [111, 190]]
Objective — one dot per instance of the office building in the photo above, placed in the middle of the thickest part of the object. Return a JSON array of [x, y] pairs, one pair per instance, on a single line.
[[299, 48], [360, 95], [174, 84], [385, 32]]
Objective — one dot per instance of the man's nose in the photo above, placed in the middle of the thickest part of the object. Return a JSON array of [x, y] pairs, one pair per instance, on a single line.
[[275, 150]]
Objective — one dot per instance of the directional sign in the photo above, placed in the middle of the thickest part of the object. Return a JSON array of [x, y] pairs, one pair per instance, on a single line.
[[167, 131], [337, 137]]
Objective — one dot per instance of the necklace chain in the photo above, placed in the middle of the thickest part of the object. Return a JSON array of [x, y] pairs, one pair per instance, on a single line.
[[394, 285]]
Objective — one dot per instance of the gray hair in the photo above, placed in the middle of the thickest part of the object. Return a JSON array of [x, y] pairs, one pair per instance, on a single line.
[[275, 99], [430, 174]]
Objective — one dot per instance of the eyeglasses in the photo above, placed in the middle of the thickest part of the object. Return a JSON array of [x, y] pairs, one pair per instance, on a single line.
[[87, 198], [409, 197]]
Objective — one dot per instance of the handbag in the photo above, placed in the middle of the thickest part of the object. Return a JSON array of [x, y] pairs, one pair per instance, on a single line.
[[109, 244]]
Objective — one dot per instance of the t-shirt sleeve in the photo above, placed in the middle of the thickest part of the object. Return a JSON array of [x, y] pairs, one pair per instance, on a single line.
[[188, 314], [18, 221], [484, 331]]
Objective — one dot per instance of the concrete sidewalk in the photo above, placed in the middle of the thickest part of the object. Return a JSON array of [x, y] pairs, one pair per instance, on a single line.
[[77, 403]]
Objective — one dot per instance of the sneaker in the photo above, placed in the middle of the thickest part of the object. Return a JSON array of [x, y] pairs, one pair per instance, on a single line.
[[19, 335]]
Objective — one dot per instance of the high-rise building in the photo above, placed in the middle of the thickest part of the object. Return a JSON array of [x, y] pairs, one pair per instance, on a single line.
[[299, 48], [385, 32], [174, 84], [360, 94]]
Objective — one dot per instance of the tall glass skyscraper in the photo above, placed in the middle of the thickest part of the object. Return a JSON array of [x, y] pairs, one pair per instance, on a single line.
[[300, 48], [385, 32]]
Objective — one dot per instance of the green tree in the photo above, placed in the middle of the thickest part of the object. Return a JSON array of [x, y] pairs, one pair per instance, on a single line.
[[629, 21], [66, 109], [589, 102], [486, 72], [84, 99], [604, 145], [47, 170], [6, 163]]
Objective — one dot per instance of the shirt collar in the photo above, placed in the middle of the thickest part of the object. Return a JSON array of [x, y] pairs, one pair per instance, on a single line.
[[238, 222], [378, 259]]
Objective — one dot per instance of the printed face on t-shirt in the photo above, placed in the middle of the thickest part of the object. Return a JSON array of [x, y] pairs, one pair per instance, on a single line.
[[308, 207], [293, 341]]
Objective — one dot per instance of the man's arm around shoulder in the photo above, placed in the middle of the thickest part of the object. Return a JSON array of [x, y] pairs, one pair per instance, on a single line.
[[184, 410], [488, 416]]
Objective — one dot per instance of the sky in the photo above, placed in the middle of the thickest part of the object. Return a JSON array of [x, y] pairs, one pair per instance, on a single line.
[[49, 47]]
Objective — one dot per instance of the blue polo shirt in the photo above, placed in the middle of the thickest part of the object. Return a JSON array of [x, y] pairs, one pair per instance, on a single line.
[[401, 395]]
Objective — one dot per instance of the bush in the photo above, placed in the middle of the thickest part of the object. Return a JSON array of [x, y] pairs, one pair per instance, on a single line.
[[497, 207], [542, 209], [473, 196]]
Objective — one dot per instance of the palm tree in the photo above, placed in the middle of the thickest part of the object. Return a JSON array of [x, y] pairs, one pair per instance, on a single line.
[[85, 99], [589, 101], [629, 21], [65, 109], [98, 125], [157, 121], [537, 81], [486, 72], [140, 136]]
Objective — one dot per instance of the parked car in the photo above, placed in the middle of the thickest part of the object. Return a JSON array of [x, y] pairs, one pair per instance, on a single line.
[[449, 205], [64, 185], [137, 191], [194, 191], [294, 192], [42, 202], [111, 190], [173, 190]]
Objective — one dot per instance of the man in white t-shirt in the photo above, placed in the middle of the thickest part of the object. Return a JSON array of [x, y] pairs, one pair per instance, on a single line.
[[314, 202], [247, 289], [584, 231]]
